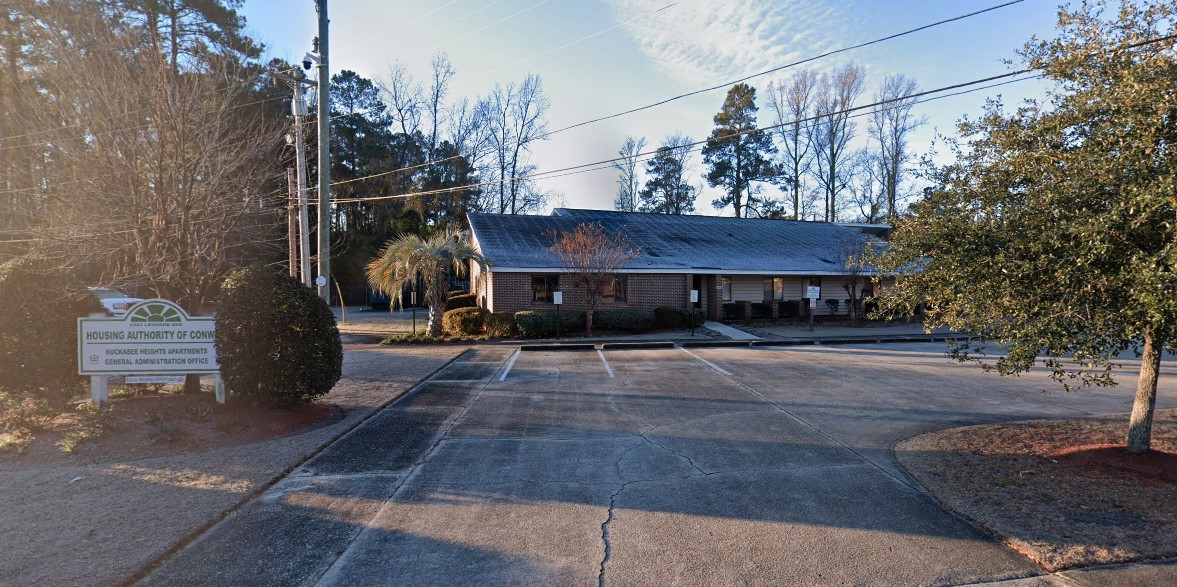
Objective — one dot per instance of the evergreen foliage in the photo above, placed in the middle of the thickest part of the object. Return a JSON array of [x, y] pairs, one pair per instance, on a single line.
[[623, 320], [738, 154], [277, 342], [39, 329], [464, 321], [434, 259], [1054, 234], [668, 317], [461, 301], [500, 324]]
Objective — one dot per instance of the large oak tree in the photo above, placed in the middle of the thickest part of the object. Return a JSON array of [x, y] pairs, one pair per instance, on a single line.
[[1054, 234]]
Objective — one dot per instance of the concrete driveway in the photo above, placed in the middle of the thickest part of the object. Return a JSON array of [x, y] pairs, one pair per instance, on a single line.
[[766, 466]]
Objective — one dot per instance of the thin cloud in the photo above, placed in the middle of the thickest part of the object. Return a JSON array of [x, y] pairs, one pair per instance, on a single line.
[[709, 41]]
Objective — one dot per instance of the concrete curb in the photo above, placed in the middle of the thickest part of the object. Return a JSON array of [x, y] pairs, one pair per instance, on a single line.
[[653, 344], [558, 347], [668, 344], [860, 339], [715, 343]]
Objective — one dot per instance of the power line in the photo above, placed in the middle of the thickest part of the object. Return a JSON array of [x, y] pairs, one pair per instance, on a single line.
[[788, 65], [387, 32], [696, 92], [598, 165], [569, 44], [474, 32]]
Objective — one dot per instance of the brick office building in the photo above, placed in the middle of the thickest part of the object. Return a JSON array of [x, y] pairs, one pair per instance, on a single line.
[[727, 260]]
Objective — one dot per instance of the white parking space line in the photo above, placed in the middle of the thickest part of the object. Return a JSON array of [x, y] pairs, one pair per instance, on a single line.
[[511, 363], [706, 362], [607, 367]]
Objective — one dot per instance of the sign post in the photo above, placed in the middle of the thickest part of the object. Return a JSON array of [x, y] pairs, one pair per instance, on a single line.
[[558, 299], [813, 292], [413, 304], [155, 340], [691, 309]]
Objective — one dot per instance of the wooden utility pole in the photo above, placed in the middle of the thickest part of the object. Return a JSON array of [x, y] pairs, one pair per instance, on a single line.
[[298, 108], [324, 278], [291, 222]]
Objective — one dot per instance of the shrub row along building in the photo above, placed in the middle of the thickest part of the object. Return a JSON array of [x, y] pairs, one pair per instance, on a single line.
[[733, 262]]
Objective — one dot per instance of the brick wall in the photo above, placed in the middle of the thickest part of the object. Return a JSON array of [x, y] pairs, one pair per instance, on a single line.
[[512, 292]]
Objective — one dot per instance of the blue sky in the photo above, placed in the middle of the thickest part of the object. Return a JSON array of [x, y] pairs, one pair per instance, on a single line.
[[599, 57]]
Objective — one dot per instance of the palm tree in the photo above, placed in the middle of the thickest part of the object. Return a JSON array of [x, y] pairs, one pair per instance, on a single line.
[[433, 258]]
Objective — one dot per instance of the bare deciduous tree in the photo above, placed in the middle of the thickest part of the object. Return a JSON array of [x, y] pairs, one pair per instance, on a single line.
[[156, 179], [592, 258], [404, 97], [832, 131], [852, 258], [866, 187], [515, 120], [792, 103], [628, 182], [890, 125]]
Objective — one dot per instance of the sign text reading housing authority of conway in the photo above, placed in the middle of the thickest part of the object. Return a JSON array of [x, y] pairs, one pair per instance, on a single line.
[[155, 336]]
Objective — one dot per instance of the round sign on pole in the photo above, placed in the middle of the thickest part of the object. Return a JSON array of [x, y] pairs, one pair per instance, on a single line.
[[320, 281]]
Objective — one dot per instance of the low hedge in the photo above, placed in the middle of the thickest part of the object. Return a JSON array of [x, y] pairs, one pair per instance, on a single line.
[[693, 317], [733, 311], [461, 301], [668, 317], [500, 324], [463, 321], [790, 309], [542, 324], [762, 309], [623, 319]]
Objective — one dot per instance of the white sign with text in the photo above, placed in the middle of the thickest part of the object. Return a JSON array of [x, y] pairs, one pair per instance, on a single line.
[[154, 337]]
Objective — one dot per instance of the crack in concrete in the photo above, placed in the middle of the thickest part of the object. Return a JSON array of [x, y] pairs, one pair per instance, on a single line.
[[675, 453], [605, 538]]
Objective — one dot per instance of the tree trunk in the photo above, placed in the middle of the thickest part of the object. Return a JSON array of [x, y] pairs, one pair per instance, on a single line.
[[1140, 424], [436, 309]]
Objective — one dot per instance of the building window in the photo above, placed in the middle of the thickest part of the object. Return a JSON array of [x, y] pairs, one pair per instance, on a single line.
[[774, 289], [543, 286], [726, 285], [615, 289]]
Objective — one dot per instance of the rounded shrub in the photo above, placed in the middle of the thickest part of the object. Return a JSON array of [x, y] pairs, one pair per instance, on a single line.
[[39, 329], [534, 324], [276, 340], [500, 324], [463, 321], [693, 317], [461, 301], [668, 317], [623, 320]]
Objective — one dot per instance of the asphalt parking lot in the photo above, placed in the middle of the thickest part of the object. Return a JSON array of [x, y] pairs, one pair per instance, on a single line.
[[707, 466]]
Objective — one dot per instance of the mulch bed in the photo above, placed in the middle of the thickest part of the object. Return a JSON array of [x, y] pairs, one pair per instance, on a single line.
[[161, 424], [1065, 493]]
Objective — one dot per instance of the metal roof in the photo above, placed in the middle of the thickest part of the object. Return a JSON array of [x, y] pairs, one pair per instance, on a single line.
[[673, 243]]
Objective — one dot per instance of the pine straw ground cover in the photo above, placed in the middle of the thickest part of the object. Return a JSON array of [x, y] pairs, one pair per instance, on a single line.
[[1063, 492]]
